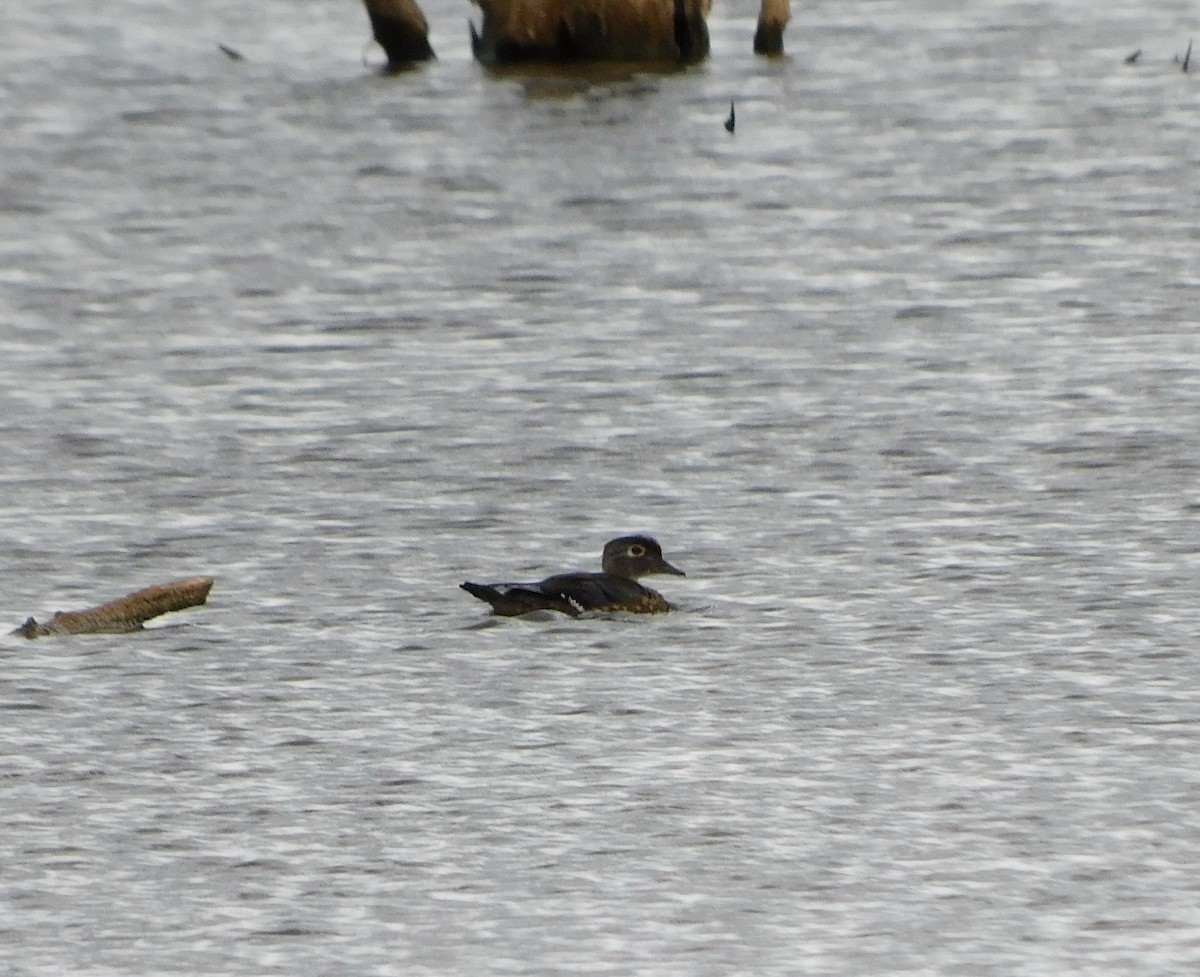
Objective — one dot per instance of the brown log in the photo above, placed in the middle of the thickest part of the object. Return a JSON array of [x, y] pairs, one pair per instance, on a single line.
[[401, 30], [128, 613], [649, 31], [773, 17]]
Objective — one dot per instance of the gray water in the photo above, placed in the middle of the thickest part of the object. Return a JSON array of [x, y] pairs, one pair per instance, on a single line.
[[905, 373]]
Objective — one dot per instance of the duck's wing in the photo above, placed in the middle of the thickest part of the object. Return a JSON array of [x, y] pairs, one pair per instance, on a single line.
[[603, 592], [514, 599]]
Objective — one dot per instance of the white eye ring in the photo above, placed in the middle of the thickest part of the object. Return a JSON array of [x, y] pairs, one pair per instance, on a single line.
[[637, 549]]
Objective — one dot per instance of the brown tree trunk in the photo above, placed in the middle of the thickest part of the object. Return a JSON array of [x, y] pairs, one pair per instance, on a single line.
[[632, 31], [772, 19], [401, 30]]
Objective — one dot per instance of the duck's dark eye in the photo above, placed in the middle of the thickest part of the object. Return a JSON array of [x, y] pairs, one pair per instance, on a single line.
[[637, 549]]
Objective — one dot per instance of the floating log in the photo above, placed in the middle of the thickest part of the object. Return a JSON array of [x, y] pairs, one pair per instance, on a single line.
[[401, 30], [633, 31], [773, 17], [128, 613]]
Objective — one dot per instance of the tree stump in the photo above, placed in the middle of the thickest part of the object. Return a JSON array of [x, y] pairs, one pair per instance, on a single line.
[[401, 30], [564, 31], [773, 16]]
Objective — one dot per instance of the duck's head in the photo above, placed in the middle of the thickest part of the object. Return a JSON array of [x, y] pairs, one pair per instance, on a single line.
[[635, 556]]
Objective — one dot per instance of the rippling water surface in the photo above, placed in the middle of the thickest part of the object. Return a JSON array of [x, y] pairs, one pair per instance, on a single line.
[[905, 374]]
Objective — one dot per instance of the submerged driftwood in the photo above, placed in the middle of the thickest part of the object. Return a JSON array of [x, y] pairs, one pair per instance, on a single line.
[[127, 614], [772, 19], [401, 30], [662, 31]]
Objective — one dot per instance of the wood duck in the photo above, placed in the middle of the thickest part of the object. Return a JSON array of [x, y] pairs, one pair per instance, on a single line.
[[614, 589]]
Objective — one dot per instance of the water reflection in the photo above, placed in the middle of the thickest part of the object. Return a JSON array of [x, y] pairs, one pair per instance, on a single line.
[[903, 370]]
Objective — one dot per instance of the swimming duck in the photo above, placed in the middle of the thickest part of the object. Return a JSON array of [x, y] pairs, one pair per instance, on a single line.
[[615, 588]]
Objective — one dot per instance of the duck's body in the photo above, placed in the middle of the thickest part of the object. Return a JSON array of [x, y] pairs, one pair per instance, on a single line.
[[615, 588], [570, 593]]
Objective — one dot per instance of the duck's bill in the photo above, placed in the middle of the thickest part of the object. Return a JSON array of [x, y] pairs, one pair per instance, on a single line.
[[667, 568]]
